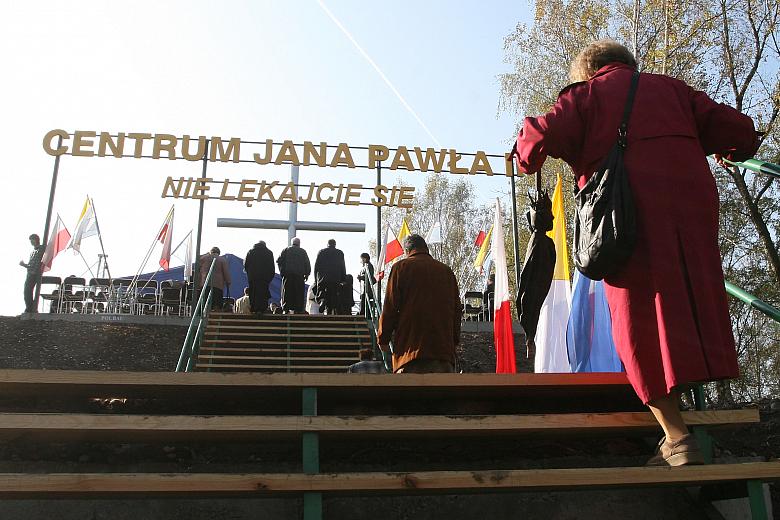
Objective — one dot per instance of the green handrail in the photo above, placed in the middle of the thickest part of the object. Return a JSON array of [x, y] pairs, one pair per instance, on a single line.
[[754, 165], [374, 311], [195, 331], [753, 301]]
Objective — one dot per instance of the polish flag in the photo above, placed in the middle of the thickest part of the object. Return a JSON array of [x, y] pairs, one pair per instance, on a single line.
[[502, 320], [390, 251], [480, 238], [58, 241], [165, 236]]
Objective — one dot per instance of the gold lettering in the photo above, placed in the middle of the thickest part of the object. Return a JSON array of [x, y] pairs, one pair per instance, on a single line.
[[481, 164], [288, 193], [353, 190], [508, 165], [79, 141], [246, 192], [230, 153], [406, 193], [287, 153], [320, 158], [139, 143], [402, 159], [47, 139], [265, 189], [166, 142], [454, 158], [376, 153], [342, 156], [269, 150], [106, 141], [380, 198], [322, 186], [185, 148], [224, 195], [174, 190], [307, 199], [201, 188], [430, 157]]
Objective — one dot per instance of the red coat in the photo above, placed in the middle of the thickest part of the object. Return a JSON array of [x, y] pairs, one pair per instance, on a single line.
[[670, 318]]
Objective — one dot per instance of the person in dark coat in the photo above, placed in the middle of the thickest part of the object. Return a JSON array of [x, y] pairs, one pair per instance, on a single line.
[[33, 266], [346, 300], [329, 271], [670, 319], [295, 268], [366, 276], [488, 298], [259, 267]]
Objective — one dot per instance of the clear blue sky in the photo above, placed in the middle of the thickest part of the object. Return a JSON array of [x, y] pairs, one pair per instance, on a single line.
[[255, 70]]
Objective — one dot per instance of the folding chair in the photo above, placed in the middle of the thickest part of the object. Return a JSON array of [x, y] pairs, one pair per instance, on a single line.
[[54, 296], [472, 306]]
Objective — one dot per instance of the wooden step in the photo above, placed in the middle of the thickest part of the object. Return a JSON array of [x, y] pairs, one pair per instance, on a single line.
[[292, 350], [289, 330], [84, 485], [285, 335], [127, 428], [261, 342], [286, 317]]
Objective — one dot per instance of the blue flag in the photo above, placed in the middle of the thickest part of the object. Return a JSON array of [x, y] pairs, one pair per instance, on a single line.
[[589, 332]]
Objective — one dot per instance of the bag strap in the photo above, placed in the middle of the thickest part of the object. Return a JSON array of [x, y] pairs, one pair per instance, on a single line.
[[623, 130]]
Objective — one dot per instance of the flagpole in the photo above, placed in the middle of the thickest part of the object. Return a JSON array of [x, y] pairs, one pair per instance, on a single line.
[[180, 243], [47, 226], [100, 237], [89, 267], [514, 227], [149, 251]]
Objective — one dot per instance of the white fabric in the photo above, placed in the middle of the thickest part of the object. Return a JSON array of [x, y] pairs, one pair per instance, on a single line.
[[85, 227], [551, 353], [312, 307], [434, 234], [498, 254]]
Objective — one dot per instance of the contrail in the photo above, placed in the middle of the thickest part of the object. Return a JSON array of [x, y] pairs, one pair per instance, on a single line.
[[379, 71]]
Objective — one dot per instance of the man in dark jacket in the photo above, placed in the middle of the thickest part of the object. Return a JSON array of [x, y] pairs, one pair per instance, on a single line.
[[329, 271], [422, 312], [259, 267], [33, 267], [367, 277], [295, 268]]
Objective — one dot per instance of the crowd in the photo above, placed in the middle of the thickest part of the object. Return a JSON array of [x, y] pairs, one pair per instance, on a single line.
[[331, 291]]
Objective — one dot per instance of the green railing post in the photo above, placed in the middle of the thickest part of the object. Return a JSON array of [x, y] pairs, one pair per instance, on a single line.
[[193, 337], [312, 502], [753, 301], [755, 490]]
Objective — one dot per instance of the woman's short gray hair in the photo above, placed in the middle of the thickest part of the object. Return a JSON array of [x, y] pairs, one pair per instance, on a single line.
[[596, 55]]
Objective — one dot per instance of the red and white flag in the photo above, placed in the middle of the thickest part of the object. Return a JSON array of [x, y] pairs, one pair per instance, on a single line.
[[502, 320], [480, 239], [58, 241], [390, 251], [165, 236]]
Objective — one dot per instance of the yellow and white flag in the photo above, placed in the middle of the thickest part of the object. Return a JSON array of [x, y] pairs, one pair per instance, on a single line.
[[85, 227], [551, 353], [404, 232]]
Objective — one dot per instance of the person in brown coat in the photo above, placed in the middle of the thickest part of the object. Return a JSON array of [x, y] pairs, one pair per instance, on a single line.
[[422, 312], [220, 278]]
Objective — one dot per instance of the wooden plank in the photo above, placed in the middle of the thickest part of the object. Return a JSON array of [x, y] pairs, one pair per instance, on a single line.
[[261, 342], [16, 485], [292, 329], [354, 358], [164, 428]]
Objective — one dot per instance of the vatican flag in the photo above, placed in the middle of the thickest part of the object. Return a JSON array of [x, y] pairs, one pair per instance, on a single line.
[[551, 352]]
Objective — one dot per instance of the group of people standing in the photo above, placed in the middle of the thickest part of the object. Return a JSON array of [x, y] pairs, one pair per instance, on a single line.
[[331, 290]]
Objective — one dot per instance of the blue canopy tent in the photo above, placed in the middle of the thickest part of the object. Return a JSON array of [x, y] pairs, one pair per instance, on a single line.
[[237, 276]]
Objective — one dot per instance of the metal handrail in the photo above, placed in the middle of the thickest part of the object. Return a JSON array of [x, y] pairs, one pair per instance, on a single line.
[[195, 331], [753, 301], [754, 165], [374, 311]]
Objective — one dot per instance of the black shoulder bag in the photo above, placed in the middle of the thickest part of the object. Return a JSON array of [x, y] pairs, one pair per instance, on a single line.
[[605, 223]]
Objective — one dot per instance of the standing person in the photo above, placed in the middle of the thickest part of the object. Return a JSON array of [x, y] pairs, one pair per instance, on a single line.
[[295, 269], [329, 271], [488, 298], [670, 319], [367, 279], [346, 300], [33, 267], [422, 312], [220, 277], [259, 267]]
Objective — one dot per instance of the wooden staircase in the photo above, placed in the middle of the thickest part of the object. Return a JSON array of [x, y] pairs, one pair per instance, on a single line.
[[282, 343]]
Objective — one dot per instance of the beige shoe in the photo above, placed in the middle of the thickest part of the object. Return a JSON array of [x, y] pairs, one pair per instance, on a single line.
[[681, 452]]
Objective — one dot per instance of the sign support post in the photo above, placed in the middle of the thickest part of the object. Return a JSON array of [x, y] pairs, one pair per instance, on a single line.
[[46, 227], [196, 277]]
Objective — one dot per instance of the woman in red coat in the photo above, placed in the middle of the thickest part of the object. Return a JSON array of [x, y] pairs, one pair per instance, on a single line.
[[670, 318]]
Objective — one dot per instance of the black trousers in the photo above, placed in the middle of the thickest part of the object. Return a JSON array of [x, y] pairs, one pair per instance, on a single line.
[[292, 293], [328, 297], [258, 295], [29, 292], [217, 299]]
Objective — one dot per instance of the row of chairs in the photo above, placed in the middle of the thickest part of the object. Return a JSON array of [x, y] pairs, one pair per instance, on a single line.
[[476, 308], [102, 295]]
